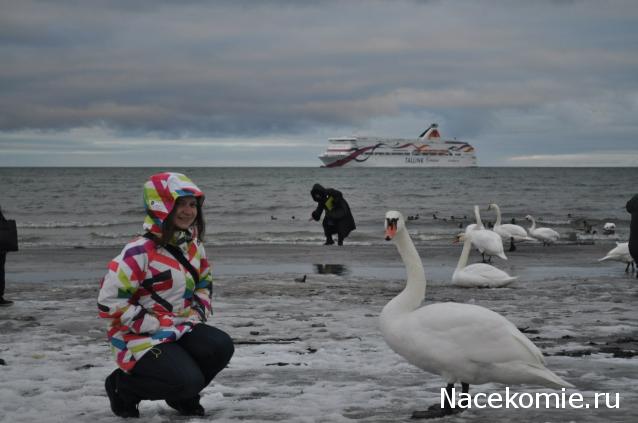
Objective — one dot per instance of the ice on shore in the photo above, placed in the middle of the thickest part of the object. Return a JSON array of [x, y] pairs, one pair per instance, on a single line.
[[312, 352]]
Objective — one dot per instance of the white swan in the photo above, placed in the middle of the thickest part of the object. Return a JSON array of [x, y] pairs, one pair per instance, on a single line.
[[546, 235], [479, 275], [609, 228], [486, 241], [620, 253], [460, 342], [508, 231]]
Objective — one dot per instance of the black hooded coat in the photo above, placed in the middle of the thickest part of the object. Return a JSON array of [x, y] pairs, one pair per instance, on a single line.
[[632, 207], [338, 218]]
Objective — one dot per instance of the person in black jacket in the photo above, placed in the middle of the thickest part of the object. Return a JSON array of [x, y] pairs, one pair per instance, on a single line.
[[338, 218], [3, 257], [632, 207]]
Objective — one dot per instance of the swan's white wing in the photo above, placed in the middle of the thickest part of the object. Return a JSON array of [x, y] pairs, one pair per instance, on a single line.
[[488, 242], [622, 248], [486, 271], [503, 232], [514, 231], [545, 234], [550, 233], [471, 227], [481, 275], [468, 343], [619, 253], [470, 333]]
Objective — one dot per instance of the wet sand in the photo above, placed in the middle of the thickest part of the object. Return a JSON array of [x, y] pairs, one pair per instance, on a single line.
[[312, 351]]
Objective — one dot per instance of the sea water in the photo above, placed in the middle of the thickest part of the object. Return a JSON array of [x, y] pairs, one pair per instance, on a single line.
[[102, 207]]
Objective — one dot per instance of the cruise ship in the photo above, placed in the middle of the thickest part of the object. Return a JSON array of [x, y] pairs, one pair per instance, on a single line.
[[428, 150]]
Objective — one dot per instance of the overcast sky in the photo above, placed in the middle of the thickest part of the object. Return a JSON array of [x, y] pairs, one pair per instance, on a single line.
[[245, 83]]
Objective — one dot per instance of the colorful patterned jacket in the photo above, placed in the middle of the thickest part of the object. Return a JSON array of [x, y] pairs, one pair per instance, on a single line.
[[147, 295]]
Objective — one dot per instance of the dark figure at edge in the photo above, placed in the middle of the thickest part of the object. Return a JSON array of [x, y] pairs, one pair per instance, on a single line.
[[338, 218], [3, 257], [632, 207]]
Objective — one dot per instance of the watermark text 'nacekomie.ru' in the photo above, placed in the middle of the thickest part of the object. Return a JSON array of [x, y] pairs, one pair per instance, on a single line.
[[527, 400]]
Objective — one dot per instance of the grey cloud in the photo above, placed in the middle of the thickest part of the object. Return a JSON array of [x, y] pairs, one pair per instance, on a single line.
[[284, 67]]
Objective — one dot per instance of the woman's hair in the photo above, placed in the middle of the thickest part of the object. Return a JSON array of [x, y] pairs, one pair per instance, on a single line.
[[169, 228]]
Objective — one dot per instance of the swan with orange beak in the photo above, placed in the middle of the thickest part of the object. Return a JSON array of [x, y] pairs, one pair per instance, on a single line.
[[463, 343]]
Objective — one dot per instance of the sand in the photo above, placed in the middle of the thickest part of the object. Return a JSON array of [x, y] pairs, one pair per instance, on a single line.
[[312, 351]]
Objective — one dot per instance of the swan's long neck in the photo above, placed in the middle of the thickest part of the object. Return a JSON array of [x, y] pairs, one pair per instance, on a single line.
[[531, 228], [465, 254], [414, 292], [477, 216], [498, 215]]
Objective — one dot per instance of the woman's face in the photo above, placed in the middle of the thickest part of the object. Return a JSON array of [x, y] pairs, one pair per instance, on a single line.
[[185, 212]]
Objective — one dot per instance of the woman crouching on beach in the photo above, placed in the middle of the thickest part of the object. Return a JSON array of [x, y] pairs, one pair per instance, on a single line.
[[157, 297]]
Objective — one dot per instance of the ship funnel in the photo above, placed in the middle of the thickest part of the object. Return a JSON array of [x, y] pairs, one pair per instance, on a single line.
[[433, 126]]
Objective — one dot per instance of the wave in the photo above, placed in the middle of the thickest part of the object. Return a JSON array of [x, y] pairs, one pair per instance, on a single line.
[[54, 225], [135, 211], [112, 235], [552, 221], [574, 236], [70, 244], [23, 239], [430, 237], [282, 242], [249, 185], [104, 236], [113, 243]]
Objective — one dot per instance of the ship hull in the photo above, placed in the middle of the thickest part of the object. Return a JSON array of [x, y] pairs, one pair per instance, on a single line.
[[400, 161]]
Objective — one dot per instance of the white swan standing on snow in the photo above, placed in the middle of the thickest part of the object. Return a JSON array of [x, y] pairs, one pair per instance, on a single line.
[[486, 241], [620, 253], [546, 235], [508, 231], [460, 342], [477, 275]]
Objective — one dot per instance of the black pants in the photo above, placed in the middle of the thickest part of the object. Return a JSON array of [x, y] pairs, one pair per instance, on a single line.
[[3, 258], [330, 228], [633, 249], [177, 370]]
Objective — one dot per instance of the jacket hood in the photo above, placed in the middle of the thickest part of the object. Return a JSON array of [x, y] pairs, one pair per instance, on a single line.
[[161, 192], [318, 193], [632, 205]]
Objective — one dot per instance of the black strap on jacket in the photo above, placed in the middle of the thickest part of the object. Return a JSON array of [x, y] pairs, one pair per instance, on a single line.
[[179, 256]]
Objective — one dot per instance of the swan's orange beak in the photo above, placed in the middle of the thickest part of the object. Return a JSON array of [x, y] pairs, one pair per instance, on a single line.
[[390, 231]]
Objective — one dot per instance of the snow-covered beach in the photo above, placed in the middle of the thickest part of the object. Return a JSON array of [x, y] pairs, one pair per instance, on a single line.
[[312, 351]]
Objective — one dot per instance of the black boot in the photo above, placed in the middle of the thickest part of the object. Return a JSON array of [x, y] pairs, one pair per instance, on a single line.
[[187, 407], [119, 405]]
